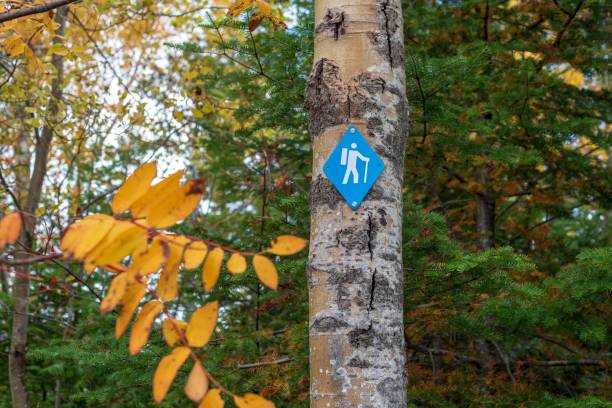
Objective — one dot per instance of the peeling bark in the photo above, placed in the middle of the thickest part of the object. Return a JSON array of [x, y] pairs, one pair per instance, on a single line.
[[355, 264]]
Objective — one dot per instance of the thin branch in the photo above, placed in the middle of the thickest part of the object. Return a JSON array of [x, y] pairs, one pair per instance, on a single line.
[[505, 360], [568, 21], [99, 50], [29, 261], [9, 191], [35, 10], [565, 363], [555, 341], [282, 360]]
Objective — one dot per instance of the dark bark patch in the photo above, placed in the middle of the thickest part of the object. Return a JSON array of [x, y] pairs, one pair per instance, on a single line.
[[354, 238], [362, 338], [327, 324], [383, 217], [334, 22], [358, 362], [347, 275], [343, 298], [326, 97], [323, 192], [392, 390]]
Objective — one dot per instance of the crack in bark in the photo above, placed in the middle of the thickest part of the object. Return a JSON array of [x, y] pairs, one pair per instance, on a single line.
[[369, 232], [372, 288], [385, 4]]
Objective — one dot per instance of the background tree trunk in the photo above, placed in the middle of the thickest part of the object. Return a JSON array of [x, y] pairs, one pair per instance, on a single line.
[[355, 263], [21, 293]]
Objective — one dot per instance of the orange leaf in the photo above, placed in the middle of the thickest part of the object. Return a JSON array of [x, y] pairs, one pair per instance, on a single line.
[[194, 254], [123, 239], [167, 286], [212, 268], [177, 206], [157, 195], [84, 235], [129, 303], [212, 400], [10, 228], [236, 263], [266, 271], [239, 7], [149, 261], [255, 21], [134, 187], [166, 371], [287, 245], [169, 327], [142, 325], [197, 383], [252, 401], [115, 293], [202, 324]]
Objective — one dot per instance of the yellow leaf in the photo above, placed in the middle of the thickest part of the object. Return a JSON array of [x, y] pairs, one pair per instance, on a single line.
[[123, 239], [239, 7], [212, 268], [190, 75], [149, 261], [10, 228], [198, 114], [573, 77], [142, 325], [266, 271], [57, 49], [82, 236], [178, 115], [202, 324], [252, 401], [129, 303], [169, 330], [287, 245], [157, 194], [166, 371], [167, 285], [212, 400], [34, 64], [17, 47], [115, 293], [197, 383], [194, 254], [236, 263], [134, 187], [264, 8], [177, 206]]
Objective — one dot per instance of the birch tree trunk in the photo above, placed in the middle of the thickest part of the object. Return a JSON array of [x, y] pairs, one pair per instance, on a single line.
[[355, 262], [21, 294]]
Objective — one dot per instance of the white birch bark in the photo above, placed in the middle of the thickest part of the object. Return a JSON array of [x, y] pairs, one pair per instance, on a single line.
[[355, 262]]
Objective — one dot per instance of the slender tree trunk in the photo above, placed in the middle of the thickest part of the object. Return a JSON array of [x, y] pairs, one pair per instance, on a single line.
[[355, 263], [21, 293], [485, 227], [485, 213]]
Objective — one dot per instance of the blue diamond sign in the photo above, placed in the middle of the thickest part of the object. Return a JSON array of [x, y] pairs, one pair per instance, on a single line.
[[353, 167]]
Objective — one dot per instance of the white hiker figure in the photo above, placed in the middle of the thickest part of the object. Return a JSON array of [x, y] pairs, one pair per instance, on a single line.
[[349, 159]]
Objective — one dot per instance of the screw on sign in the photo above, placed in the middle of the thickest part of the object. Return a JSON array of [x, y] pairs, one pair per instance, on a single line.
[[353, 167]]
